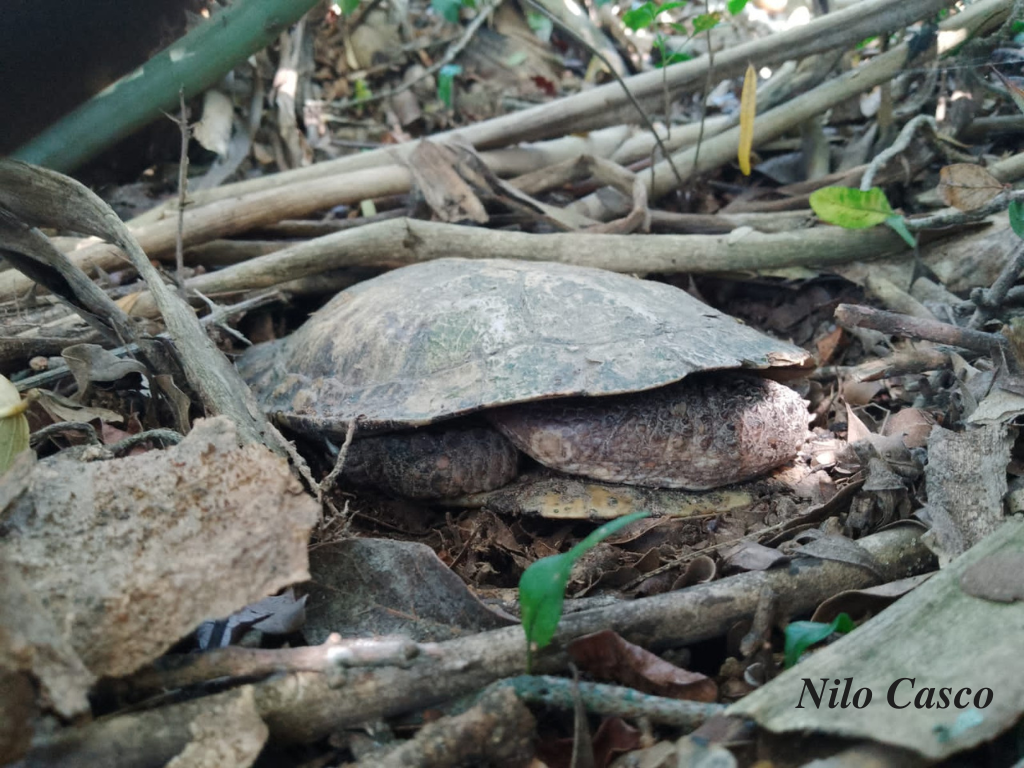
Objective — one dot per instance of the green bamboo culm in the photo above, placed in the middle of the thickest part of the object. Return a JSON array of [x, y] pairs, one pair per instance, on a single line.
[[195, 62]]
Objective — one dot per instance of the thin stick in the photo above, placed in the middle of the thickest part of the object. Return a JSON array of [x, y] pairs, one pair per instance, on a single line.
[[179, 240], [328, 482], [704, 95], [986, 302], [852, 316]]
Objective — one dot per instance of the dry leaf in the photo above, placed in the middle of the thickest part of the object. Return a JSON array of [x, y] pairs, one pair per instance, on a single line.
[[13, 424], [130, 555], [967, 186], [748, 111], [213, 130], [608, 656]]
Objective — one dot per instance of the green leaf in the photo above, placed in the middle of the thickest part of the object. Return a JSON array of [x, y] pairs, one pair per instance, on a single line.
[[541, 25], [1016, 211], [898, 223], [736, 6], [348, 7], [675, 58], [542, 586], [449, 9], [445, 78], [640, 17], [362, 91], [801, 635], [706, 22], [851, 208], [13, 424]]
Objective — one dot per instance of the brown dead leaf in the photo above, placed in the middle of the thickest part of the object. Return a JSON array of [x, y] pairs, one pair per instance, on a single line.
[[967, 186], [913, 424], [129, 555], [609, 657], [613, 737], [829, 344], [862, 603], [699, 570], [60, 408]]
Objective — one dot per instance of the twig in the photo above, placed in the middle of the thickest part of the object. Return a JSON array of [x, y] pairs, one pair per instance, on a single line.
[[898, 146], [44, 433], [986, 302], [328, 482], [853, 316], [610, 700], [333, 655], [179, 240], [165, 436], [618, 78], [409, 241], [954, 218], [704, 94]]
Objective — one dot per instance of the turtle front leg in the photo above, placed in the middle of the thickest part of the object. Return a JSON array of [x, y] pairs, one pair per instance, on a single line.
[[433, 464]]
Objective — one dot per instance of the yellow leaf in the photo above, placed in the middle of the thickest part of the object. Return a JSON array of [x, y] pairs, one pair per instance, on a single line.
[[13, 424], [748, 111]]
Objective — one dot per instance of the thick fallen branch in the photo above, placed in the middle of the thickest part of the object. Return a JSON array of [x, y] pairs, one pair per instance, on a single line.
[[408, 241]]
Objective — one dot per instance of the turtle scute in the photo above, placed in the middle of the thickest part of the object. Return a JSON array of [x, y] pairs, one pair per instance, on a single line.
[[706, 431]]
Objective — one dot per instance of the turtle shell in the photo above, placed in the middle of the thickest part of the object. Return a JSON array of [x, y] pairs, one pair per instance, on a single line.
[[453, 336]]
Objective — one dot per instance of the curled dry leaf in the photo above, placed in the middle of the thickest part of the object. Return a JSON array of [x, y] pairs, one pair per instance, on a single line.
[[91, 362], [608, 656], [913, 424], [129, 555], [60, 408], [967, 186]]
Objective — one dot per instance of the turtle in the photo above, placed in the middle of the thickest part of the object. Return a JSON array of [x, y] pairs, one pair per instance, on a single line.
[[453, 367]]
